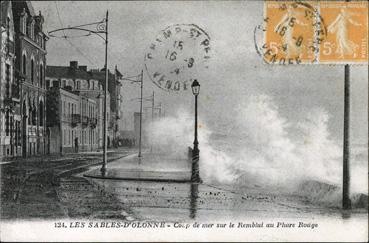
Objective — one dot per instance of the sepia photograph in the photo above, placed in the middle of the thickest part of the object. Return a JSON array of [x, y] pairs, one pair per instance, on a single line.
[[191, 121]]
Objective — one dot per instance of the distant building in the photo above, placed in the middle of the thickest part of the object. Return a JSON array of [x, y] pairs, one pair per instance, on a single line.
[[10, 136], [29, 85], [74, 109], [114, 89]]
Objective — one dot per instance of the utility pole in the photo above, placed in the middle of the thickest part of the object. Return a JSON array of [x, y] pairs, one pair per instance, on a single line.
[[101, 28], [103, 168], [132, 80], [346, 202], [140, 140]]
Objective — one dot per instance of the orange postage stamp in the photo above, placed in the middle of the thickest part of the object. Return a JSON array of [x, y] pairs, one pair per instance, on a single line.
[[347, 25], [315, 32]]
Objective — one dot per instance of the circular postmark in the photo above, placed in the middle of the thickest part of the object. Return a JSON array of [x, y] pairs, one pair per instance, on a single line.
[[291, 33], [176, 55]]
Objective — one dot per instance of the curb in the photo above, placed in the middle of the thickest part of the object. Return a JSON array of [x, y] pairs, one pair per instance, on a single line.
[[60, 174], [138, 179]]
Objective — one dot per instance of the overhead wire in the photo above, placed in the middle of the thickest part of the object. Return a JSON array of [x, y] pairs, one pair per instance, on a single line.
[[66, 38]]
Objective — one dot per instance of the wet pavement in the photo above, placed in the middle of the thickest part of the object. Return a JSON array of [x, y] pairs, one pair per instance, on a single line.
[[140, 189], [46, 188], [146, 186], [150, 167], [173, 202]]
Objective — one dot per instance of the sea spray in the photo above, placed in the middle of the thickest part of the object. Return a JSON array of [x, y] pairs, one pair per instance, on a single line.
[[171, 135], [264, 149], [320, 154]]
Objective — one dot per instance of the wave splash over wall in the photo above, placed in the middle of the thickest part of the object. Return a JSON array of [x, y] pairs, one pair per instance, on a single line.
[[266, 148]]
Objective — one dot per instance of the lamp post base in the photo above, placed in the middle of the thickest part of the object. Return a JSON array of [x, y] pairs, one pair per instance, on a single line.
[[195, 172]]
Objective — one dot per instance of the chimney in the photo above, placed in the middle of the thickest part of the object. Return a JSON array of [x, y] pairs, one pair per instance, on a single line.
[[73, 64], [83, 68]]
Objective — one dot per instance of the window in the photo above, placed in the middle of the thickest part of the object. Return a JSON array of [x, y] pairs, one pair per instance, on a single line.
[[7, 77], [30, 114], [68, 109], [8, 27], [55, 83], [41, 75], [11, 125], [7, 123], [24, 25], [32, 70], [34, 115], [24, 62], [18, 132], [41, 109], [32, 28], [27, 29], [65, 109]]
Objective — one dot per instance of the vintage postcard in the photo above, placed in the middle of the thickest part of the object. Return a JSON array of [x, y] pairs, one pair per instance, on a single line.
[[184, 121]]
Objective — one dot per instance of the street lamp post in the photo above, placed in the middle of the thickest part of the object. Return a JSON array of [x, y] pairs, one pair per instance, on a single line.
[[195, 175], [103, 168], [140, 139]]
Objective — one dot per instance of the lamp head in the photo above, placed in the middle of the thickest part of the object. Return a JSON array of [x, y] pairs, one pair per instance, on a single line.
[[195, 87]]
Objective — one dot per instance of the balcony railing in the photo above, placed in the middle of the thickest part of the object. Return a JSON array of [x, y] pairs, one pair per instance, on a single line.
[[85, 120], [93, 122], [76, 118]]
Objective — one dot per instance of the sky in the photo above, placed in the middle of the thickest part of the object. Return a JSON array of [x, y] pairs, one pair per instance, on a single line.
[[235, 71]]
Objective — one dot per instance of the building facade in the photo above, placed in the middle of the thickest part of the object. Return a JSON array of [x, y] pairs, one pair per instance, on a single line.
[[74, 109], [114, 101], [23, 93], [9, 95], [30, 67]]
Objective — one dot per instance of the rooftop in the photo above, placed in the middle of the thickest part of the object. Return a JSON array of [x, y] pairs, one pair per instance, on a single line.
[[67, 72]]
